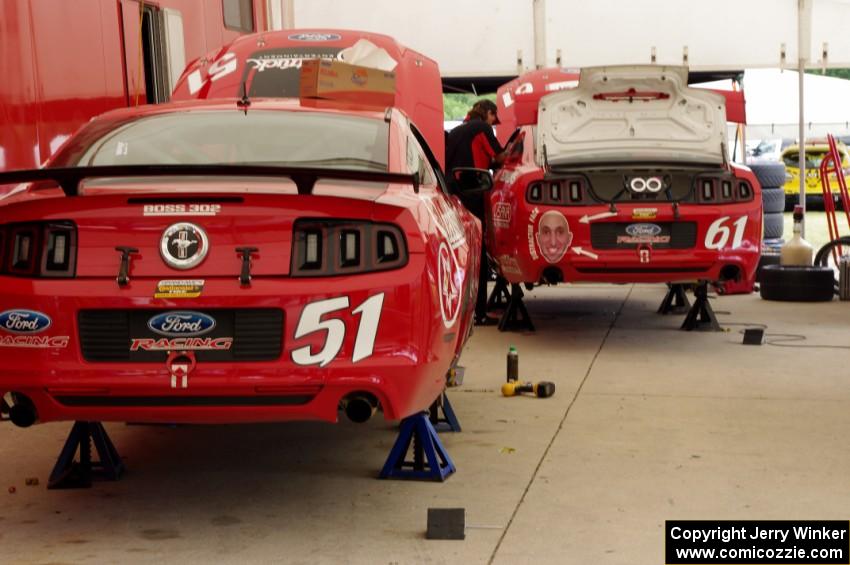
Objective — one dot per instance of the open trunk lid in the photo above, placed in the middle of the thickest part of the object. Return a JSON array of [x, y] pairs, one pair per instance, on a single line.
[[632, 114]]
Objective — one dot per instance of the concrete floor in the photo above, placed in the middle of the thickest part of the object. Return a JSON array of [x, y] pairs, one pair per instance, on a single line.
[[648, 423]]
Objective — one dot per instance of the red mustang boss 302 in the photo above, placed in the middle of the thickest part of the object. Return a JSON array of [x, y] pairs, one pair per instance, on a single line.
[[625, 178], [215, 261]]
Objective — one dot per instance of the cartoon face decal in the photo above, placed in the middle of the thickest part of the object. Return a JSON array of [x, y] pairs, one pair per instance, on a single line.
[[553, 236]]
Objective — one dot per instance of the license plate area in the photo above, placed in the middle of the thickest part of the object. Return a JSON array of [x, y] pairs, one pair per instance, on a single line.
[[631, 235]]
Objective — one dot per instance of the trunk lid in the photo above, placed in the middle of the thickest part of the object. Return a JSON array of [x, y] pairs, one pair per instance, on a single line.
[[632, 114]]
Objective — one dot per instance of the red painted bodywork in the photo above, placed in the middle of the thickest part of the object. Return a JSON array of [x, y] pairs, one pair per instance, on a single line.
[[510, 235], [413, 347], [417, 78], [65, 62]]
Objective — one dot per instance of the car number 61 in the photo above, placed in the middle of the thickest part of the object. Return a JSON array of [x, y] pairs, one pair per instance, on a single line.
[[718, 233], [311, 321]]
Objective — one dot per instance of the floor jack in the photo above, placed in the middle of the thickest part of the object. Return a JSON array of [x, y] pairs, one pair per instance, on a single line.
[[68, 473]]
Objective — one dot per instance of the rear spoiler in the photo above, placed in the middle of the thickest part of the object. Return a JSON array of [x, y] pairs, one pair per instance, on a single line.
[[69, 178]]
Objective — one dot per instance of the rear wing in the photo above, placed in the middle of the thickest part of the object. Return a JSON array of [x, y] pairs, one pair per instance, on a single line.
[[69, 178]]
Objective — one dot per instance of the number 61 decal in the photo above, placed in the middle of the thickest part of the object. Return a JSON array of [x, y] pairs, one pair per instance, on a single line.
[[718, 233], [311, 321]]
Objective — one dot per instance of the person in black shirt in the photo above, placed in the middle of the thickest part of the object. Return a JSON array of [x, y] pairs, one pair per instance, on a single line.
[[473, 144]]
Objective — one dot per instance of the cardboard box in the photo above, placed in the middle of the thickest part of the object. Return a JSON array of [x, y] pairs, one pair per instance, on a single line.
[[334, 80]]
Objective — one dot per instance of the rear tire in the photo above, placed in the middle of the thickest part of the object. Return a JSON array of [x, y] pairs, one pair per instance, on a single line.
[[774, 225], [769, 174], [796, 284]]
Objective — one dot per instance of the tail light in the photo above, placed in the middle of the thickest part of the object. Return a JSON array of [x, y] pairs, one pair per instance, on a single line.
[[722, 190], [561, 192], [38, 249], [322, 248]]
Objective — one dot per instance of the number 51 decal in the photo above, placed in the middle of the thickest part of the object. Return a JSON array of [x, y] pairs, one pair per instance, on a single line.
[[311, 321], [718, 233]]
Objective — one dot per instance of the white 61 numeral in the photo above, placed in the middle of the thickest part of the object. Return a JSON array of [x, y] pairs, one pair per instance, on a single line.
[[718, 233], [311, 321]]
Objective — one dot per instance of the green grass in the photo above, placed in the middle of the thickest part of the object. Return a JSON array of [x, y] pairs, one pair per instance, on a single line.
[[817, 232]]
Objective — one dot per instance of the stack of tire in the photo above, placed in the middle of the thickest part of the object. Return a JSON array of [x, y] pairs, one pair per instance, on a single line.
[[771, 177]]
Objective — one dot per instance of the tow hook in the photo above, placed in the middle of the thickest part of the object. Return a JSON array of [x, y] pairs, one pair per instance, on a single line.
[[180, 364], [644, 253]]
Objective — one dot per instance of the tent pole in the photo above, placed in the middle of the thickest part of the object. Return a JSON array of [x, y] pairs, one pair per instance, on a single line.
[[802, 49]]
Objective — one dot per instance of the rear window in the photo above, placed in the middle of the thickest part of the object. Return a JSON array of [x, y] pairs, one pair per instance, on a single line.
[[300, 139], [813, 158]]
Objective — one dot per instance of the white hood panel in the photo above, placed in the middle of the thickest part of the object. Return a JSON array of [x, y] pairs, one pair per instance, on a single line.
[[580, 126]]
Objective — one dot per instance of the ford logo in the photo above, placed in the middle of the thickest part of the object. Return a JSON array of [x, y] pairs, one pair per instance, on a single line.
[[24, 321], [181, 324], [643, 230], [315, 37]]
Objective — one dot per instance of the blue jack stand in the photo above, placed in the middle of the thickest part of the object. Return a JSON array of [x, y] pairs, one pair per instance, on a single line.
[[430, 459], [449, 421], [73, 474]]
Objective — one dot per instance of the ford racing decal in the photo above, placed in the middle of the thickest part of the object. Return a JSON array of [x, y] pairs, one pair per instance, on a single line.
[[645, 230], [24, 321], [35, 341], [182, 344], [181, 324]]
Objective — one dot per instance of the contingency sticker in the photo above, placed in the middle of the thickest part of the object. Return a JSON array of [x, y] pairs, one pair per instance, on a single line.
[[179, 289], [644, 213]]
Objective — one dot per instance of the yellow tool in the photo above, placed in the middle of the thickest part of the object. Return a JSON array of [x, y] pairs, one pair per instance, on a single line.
[[543, 389]]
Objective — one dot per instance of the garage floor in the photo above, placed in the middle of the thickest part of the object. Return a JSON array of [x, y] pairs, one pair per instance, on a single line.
[[648, 423]]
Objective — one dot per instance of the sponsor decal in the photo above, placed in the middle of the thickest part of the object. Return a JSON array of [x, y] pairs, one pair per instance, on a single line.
[[502, 215], [181, 209], [447, 283], [181, 344], [179, 289], [446, 221], [643, 233], [647, 230], [509, 265], [181, 324], [532, 249], [360, 77], [553, 236], [315, 36], [35, 341], [24, 321], [644, 213], [183, 245]]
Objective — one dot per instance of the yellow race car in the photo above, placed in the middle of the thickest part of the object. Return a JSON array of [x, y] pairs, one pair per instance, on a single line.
[[815, 152]]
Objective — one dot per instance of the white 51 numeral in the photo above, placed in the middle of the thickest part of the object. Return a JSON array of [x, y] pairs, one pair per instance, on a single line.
[[311, 321], [718, 233]]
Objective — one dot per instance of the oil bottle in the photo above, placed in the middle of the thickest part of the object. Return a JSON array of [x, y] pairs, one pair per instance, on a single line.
[[797, 251]]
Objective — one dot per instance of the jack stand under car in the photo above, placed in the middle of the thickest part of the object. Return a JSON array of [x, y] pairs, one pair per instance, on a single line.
[[430, 462], [448, 422], [701, 316], [500, 298], [68, 473], [516, 316], [675, 301]]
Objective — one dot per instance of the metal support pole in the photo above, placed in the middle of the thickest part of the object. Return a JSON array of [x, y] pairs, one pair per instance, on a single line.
[[803, 40], [539, 34]]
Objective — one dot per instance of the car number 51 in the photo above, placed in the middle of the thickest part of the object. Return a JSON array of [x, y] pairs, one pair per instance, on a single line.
[[311, 321]]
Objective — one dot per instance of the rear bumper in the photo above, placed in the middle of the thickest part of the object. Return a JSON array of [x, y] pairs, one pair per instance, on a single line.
[[406, 370]]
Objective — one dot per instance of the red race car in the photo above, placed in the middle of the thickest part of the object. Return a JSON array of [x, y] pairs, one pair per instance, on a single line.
[[233, 261], [622, 179]]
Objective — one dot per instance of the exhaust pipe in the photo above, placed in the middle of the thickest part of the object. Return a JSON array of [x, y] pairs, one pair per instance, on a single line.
[[359, 408], [22, 413]]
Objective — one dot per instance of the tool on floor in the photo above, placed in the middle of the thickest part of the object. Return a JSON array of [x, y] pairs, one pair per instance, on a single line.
[[513, 364], [542, 389]]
